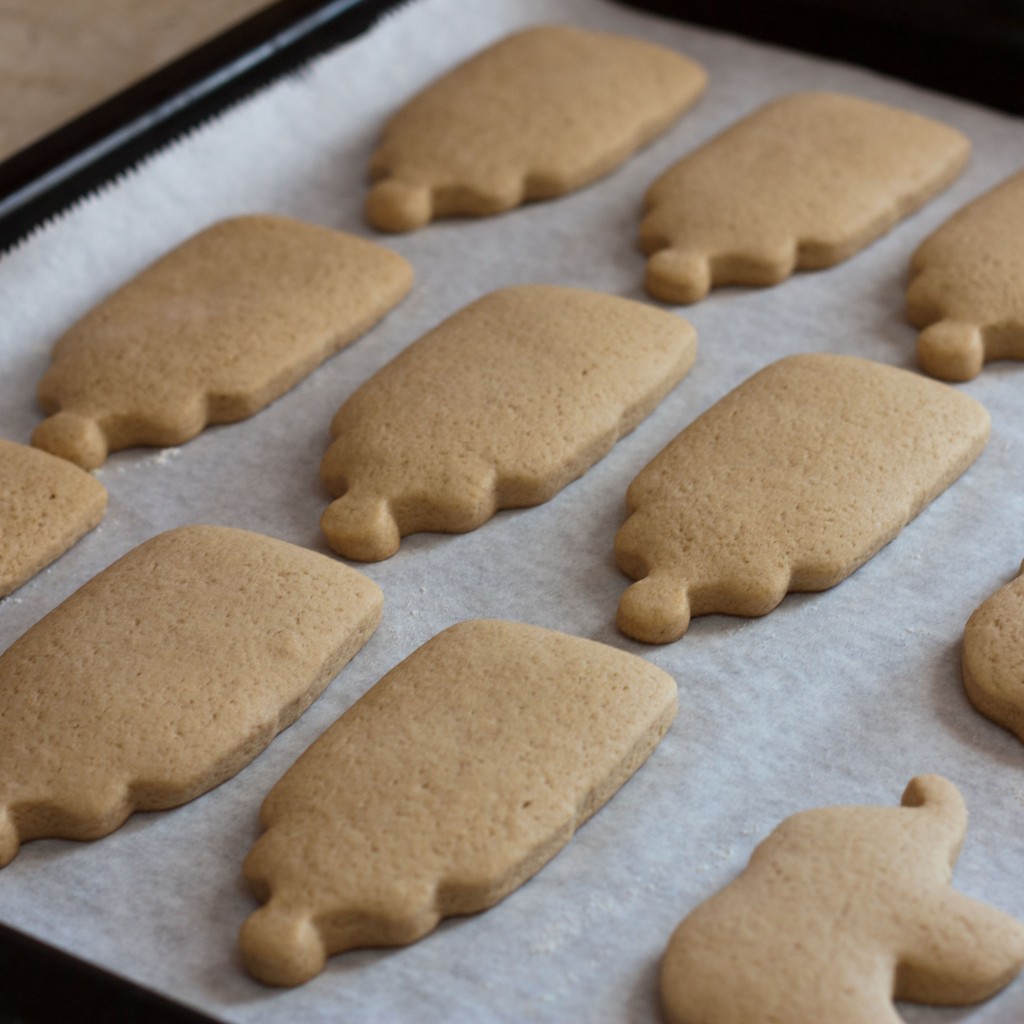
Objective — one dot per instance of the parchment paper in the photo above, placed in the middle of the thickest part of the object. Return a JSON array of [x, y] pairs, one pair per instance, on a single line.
[[838, 697]]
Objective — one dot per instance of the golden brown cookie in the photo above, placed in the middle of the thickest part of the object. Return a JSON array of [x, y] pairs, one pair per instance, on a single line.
[[967, 292], [453, 780], [165, 675], [840, 911], [500, 406], [538, 114], [993, 657], [790, 482], [46, 506], [211, 333], [802, 183]]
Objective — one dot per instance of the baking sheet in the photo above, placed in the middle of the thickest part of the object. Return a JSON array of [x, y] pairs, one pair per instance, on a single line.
[[837, 697]]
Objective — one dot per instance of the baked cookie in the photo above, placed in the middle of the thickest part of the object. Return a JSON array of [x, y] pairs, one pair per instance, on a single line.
[[993, 657], [802, 183], [500, 406], [790, 482], [538, 114], [453, 780], [840, 911], [46, 506], [211, 333], [967, 292], [165, 675]]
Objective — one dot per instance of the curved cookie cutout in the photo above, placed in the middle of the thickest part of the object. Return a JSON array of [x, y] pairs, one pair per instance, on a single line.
[[802, 183], [538, 114], [211, 333], [46, 506], [500, 406], [453, 781], [165, 675], [993, 657], [967, 293], [840, 911], [790, 482]]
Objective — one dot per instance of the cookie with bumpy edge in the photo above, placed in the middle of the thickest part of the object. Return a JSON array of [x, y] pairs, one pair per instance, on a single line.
[[789, 483], [211, 333], [540, 113], [802, 183], [165, 675], [993, 657], [449, 784], [500, 406], [840, 911], [46, 506], [967, 291]]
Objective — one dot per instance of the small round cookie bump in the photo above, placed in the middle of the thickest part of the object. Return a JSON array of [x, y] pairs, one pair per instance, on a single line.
[[993, 657], [802, 183], [538, 114], [399, 206], [74, 437], [840, 911]]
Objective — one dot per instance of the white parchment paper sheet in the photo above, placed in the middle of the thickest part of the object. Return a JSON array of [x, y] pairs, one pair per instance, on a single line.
[[837, 697]]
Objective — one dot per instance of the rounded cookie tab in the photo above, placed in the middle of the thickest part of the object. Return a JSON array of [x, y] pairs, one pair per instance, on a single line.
[[211, 333], [840, 911], [166, 674], [537, 114], [46, 506], [993, 657], [802, 183], [501, 406], [789, 483], [967, 290], [450, 783]]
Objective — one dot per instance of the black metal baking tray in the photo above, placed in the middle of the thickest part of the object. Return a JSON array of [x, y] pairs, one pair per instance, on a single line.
[[974, 50], [43, 985], [47, 176]]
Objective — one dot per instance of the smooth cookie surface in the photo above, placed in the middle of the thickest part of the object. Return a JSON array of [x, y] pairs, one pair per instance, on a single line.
[[993, 657], [46, 506], [790, 482], [500, 406], [840, 911], [802, 183], [211, 333], [165, 675], [967, 292], [538, 114], [450, 783]]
